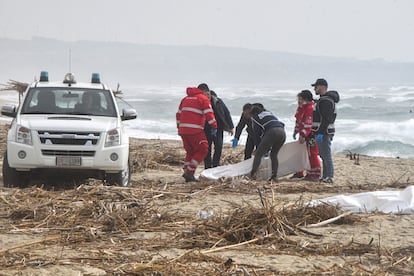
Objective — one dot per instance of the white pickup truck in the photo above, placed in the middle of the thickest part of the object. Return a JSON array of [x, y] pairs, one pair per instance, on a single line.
[[67, 128]]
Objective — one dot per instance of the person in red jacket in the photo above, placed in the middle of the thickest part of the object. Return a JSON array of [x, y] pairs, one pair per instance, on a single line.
[[194, 110], [303, 127]]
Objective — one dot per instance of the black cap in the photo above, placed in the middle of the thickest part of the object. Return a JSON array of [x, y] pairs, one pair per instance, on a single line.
[[306, 95], [320, 82], [203, 87]]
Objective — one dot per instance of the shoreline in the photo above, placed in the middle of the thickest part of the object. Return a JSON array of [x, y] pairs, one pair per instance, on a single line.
[[5, 121], [341, 144], [228, 146]]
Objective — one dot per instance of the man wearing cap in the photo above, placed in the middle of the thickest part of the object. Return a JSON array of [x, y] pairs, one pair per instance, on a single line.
[[324, 116]]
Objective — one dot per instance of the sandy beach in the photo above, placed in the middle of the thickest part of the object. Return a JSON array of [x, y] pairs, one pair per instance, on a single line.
[[164, 226]]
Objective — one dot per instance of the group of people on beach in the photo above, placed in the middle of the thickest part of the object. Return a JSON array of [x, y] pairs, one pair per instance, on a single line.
[[202, 118]]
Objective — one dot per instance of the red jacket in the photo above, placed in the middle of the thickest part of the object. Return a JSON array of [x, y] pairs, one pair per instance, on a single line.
[[304, 116], [193, 112]]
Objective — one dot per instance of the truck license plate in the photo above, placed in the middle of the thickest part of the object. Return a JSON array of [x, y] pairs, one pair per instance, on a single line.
[[68, 161]]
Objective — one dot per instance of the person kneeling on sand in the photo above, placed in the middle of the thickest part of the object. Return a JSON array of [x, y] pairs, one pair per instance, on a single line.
[[269, 135], [194, 110], [303, 127]]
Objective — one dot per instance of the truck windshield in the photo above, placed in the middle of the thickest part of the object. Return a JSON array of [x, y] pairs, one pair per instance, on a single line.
[[73, 101]]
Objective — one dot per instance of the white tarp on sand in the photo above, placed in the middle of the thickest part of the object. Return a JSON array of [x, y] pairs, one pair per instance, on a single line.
[[293, 157], [379, 201]]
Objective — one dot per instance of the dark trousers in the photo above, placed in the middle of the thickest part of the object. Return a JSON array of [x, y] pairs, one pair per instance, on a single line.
[[218, 147], [248, 150], [273, 140]]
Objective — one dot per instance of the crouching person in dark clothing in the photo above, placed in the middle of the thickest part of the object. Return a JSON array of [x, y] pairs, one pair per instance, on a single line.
[[269, 134]]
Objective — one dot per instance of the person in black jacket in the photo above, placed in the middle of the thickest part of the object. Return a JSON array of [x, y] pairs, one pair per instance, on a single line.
[[224, 123], [243, 122], [269, 134], [324, 117]]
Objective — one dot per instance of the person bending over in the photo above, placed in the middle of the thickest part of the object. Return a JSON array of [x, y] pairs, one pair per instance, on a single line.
[[243, 122], [269, 135]]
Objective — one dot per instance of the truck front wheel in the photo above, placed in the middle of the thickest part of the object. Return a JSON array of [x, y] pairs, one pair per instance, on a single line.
[[121, 178], [11, 177]]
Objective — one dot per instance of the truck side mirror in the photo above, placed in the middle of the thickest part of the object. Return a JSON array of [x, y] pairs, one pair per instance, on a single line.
[[9, 110], [128, 114]]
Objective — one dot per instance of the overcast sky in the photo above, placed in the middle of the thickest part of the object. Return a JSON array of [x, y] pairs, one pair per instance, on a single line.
[[362, 29]]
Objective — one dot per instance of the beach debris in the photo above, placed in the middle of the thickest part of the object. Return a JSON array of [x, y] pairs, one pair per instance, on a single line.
[[126, 231], [356, 159], [155, 155], [251, 225], [203, 214], [353, 156], [13, 85], [107, 221], [328, 221], [118, 92]]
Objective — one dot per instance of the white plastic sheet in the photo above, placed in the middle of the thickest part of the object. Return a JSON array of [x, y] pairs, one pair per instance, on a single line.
[[293, 157], [401, 202]]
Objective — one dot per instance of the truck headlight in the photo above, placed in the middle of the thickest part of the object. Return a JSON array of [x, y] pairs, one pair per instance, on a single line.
[[112, 138], [23, 135]]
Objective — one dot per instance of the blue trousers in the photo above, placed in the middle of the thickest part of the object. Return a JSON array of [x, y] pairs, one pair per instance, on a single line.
[[326, 154]]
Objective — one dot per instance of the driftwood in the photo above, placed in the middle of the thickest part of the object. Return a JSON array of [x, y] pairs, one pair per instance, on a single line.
[[353, 156], [325, 222], [236, 245], [29, 244]]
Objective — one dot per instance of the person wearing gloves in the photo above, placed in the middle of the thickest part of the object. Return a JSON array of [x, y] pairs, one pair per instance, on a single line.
[[243, 122], [303, 128], [269, 134], [323, 127], [194, 110], [224, 123]]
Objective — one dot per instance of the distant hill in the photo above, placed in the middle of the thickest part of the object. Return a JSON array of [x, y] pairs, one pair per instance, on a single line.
[[187, 65]]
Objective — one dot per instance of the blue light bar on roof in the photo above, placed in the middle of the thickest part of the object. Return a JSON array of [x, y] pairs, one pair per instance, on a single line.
[[96, 78], [44, 76]]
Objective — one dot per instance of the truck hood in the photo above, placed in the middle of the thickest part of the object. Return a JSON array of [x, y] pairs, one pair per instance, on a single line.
[[68, 123]]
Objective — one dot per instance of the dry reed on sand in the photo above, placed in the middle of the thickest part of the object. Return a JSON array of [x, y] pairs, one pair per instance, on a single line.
[[268, 223], [108, 225]]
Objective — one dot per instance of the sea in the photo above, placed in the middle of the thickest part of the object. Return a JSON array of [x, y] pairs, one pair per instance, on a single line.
[[371, 120]]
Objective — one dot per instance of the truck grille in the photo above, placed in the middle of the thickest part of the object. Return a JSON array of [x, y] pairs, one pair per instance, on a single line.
[[68, 138], [69, 152]]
